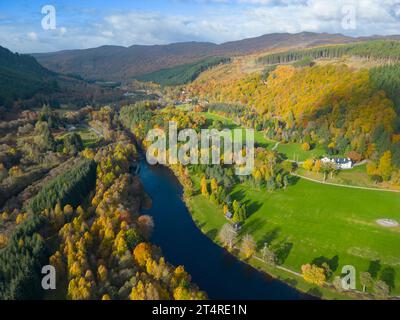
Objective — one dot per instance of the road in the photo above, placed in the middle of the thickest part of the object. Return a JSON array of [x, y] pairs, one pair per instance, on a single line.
[[344, 185]]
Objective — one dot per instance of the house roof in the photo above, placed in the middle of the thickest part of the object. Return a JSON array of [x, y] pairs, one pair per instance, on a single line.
[[342, 160], [229, 215]]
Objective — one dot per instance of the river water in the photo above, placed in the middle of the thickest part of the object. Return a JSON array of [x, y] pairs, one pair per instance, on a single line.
[[216, 271]]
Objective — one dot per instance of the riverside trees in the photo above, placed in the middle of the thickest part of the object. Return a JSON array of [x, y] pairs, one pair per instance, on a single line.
[[113, 245]]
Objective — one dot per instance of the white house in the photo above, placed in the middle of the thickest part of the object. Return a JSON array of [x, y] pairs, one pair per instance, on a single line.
[[341, 163]]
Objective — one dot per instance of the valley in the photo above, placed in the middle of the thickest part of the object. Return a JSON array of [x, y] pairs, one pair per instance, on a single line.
[[78, 193]]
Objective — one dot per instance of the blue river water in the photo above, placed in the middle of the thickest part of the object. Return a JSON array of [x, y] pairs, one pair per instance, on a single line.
[[216, 271]]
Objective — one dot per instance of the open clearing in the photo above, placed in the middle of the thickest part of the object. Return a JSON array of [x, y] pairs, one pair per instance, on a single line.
[[310, 222]]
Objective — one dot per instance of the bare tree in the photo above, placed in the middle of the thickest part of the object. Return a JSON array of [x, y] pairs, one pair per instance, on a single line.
[[268, 255], [227, 235], [146, 225], [366, 280]]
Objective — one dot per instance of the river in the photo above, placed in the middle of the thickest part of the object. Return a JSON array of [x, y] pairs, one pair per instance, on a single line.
[[216, 271]]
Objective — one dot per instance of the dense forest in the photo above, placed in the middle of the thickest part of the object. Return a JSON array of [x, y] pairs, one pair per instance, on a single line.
[[83, 218], [387, 78], [379, 50], [332, 106], [69, 188], [182, 74], [22, 77], [21, 261]]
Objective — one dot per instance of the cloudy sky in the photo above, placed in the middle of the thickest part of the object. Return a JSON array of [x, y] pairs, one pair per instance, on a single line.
[[91, 23]]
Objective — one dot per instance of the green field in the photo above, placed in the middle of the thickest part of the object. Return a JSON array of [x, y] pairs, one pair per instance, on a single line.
[[293, 151], [313, 222], [259, 137], [357, 176]]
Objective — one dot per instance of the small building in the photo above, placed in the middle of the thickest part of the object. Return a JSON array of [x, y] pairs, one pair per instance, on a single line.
[[229, 215], [341, 163]]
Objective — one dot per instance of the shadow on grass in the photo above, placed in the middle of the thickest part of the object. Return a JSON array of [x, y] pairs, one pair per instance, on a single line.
[[251, 226], [316, 292], [238, 195], [291, 282], [212, 234], [268, 238], [333, 263], [293, 180], [252, 207], [282, 251]]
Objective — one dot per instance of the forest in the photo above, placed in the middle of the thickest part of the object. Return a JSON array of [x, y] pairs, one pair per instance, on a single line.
[[85, 220], [182, 74], [271, 171], [378, 49], [21, 76], [332, 106], [68, 188]]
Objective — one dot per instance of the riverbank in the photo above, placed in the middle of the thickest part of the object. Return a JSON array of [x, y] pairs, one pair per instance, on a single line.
[[282, 225], [307, 221], [209, 219], [206, 216], [213, 269]]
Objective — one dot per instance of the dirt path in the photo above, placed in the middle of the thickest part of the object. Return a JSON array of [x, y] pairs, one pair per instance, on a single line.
[[276, 146], [344, 185]]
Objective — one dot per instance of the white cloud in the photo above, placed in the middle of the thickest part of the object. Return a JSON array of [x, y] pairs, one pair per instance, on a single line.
[[32, 36], [217, 21]]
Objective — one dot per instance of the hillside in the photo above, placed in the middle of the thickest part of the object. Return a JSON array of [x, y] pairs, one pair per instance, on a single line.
[[379, 50], [182, 74], [24, 84], [123, 63], [21, 77], [332, 106]]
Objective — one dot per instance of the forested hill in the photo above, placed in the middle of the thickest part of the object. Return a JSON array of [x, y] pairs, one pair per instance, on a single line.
[[25, 83], [182, 74], [388, 50], [21, 77], [335, 106], [118, 63]]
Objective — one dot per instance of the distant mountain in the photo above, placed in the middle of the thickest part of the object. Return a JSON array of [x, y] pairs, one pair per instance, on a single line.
[[283, 40], [21, 77], [118, 63], [24, 83]]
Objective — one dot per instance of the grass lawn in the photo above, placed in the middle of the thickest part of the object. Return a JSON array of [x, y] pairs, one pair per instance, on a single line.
[[293, 151], [357, 176], [259, 137], [312, 222]]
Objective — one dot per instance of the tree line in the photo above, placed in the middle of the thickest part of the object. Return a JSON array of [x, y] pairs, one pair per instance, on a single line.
[[182, 74], [70, 187], [21, 261], [378, 49]]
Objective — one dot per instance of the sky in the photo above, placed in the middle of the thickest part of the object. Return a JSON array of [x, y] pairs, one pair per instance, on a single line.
[[79, 24]]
